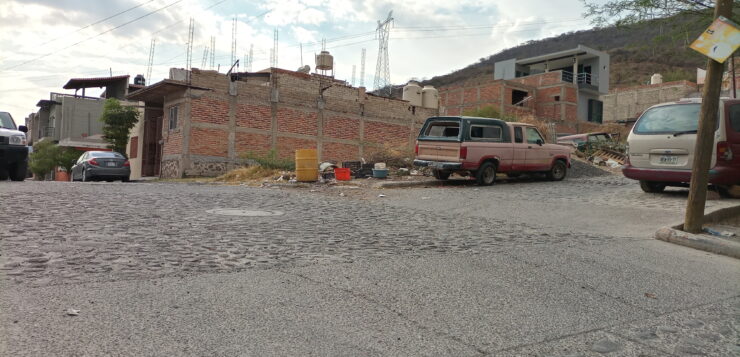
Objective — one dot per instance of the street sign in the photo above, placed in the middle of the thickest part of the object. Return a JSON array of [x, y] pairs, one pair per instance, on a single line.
[[719, 41]]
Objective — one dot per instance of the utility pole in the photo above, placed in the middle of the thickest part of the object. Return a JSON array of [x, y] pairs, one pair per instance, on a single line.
[[705, 135]]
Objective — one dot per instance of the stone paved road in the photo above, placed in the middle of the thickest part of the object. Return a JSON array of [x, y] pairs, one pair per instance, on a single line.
[[520, 268]]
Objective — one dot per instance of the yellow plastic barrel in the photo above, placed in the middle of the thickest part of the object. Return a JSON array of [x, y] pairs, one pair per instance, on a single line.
[[306, 165]]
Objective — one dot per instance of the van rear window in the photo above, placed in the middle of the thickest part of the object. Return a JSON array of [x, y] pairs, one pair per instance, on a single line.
[[669, 119]]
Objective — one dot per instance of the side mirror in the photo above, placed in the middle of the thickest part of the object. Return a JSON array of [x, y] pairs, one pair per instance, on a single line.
[[540, 142], [23, 128]]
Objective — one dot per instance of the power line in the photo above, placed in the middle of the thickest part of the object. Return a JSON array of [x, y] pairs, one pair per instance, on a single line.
[[92, 37], [99, 21]]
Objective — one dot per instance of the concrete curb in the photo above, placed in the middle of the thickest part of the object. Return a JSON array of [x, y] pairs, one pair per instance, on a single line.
[[402, 184], [704, 242]]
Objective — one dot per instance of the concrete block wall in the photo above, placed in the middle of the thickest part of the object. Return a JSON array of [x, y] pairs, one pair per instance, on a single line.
[[630, 102], [282, 112]]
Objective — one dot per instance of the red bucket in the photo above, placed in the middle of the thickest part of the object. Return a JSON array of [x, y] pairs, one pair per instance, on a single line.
[[342, 174]]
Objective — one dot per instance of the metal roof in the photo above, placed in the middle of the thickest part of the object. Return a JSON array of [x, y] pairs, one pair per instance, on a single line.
[[77, 83], [156, 92]]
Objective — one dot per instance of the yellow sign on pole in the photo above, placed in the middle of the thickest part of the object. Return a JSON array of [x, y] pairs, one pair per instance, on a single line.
[[719, 41]]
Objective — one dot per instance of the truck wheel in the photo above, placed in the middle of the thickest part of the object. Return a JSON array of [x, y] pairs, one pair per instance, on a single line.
[[732, 191], [18, 171], [486, 174], [441, 175], [557, 171], [652, 187]]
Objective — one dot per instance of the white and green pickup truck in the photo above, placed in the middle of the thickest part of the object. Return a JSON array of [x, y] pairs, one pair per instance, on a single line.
[[13, 149]]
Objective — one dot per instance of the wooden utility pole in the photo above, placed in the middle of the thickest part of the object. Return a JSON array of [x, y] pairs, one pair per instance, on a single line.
[[705, 135]]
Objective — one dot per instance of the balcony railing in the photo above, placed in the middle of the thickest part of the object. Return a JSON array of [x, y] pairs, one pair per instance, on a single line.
[[581, 78]]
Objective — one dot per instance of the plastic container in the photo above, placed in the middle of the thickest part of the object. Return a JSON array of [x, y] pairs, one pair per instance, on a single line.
[[380, 173], [306, 165], [343, 174]]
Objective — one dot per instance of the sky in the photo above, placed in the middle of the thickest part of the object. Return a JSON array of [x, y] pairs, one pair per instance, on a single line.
[[47, 42]]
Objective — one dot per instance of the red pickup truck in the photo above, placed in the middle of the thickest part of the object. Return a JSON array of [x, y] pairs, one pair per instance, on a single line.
[[481, 147]]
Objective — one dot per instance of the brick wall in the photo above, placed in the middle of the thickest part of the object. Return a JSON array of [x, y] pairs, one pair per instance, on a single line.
[[284, 111], [630, 102], [172, 143]]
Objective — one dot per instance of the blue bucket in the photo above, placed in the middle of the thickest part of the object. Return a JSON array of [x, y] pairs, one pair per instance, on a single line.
[[380, 173]]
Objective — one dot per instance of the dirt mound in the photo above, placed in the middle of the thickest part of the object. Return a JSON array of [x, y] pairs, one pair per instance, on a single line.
[[580, 168]]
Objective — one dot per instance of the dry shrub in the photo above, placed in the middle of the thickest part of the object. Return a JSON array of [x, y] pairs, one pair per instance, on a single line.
[[251, 173], [391, 155]]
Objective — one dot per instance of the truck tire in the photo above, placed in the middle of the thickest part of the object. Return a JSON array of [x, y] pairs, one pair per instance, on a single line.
[[652, 186], [731, 191], [486, 174], [441, 175], [17, 172], [557, 171]]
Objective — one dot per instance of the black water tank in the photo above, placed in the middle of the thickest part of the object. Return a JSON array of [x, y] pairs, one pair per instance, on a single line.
[[139, 79]]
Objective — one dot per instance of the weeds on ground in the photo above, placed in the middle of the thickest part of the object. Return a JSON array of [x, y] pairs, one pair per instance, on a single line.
[[271, 160], [252, 173]]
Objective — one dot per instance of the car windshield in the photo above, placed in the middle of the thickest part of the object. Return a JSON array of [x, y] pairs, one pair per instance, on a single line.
[[669, 119], [106, 154], [6, 121]]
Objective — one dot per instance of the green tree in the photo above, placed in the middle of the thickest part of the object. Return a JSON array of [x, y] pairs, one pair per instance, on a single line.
[[67, 156], [117, 123], [44, 158]]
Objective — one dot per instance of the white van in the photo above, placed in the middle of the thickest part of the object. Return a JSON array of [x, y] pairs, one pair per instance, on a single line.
[[661, 146]]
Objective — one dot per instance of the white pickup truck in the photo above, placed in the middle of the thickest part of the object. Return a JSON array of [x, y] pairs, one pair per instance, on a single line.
[[13, 149]]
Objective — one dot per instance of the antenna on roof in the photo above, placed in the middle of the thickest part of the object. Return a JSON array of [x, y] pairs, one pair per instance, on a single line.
[[151, 60], [191, 30]]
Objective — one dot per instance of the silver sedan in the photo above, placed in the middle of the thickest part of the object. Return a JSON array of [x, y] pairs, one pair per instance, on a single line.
[[101, 165]]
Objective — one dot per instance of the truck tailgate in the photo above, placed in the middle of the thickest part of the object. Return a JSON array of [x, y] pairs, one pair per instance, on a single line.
[[448, 151]]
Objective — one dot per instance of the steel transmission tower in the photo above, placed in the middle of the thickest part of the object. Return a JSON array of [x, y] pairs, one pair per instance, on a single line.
[[233, 41], [149, 65], [191, 30], [362, 69], [213, 52], [382, 70]]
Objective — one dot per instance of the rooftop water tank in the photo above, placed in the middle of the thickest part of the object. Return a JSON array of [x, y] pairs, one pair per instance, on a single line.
[[324, 61], [429, 97], [412, 93], [139, 80], [656, 79]]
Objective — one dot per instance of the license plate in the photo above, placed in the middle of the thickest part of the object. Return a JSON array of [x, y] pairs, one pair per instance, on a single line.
[[669, 159], [111, 164]]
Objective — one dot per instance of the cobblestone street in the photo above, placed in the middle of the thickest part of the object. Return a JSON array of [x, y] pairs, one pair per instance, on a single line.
[[519, 268]]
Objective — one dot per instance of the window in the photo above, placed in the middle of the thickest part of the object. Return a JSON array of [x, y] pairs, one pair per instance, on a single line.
[[443, 129], [105, 154], [669, 119], [517, 96], [735, 117], [134, 147], [485, 132], [598, 138], [533, 135], [518, 135], [173, 117]]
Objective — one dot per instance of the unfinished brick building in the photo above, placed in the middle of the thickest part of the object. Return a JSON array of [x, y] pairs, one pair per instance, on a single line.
[[200, 123], [544, 87]]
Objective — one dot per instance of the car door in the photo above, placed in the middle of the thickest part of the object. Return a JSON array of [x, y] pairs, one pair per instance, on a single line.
[[519, 162], [76, 169], [732, 129], [537, 157]]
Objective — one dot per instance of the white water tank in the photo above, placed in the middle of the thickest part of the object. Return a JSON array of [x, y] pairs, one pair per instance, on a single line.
[[429, 97], [324, 61], [656, 79], [412, 93]]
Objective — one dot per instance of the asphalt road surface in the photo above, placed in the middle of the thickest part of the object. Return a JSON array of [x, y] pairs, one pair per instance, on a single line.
[[517, 269]]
